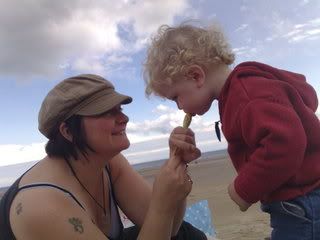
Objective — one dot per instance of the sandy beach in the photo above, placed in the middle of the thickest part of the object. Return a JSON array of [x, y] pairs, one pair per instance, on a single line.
[[211, 177]]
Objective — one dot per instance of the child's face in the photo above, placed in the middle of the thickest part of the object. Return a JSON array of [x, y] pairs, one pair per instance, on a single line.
[[189, 96]]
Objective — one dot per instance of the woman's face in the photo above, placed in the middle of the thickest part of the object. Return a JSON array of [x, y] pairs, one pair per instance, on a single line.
[[106, 133]]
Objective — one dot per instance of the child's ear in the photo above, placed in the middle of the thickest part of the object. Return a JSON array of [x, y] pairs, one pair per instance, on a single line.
[[64, 130], [197, 74]]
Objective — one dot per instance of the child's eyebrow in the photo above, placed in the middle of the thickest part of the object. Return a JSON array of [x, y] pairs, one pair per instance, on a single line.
[[171, 98]]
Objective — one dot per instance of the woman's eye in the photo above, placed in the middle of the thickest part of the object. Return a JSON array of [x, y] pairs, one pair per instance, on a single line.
[[113, 112]]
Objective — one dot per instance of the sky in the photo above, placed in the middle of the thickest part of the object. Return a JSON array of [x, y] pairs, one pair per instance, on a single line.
[[45, 41]]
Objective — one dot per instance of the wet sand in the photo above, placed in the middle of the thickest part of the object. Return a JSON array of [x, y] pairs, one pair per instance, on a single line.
[[211, 177]]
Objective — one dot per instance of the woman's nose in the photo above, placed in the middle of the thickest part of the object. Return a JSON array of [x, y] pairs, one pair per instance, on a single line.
[[122, 118]]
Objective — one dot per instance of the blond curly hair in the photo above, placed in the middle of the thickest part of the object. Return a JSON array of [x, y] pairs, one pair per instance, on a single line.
[[173, 49]]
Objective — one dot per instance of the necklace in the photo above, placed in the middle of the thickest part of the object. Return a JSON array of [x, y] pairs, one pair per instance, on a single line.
[[75, 175]]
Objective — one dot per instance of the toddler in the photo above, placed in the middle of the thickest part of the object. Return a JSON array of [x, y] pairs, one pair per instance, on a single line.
[[268, 119]]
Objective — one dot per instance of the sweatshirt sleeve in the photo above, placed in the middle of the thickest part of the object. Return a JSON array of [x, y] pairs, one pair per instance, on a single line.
[[276, 136]]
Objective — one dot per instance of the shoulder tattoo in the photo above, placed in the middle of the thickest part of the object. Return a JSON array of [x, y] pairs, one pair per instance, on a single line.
[[77, 224], [19, 208]]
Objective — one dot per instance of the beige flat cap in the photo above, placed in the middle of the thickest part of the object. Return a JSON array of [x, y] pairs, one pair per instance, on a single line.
[[85, 95]]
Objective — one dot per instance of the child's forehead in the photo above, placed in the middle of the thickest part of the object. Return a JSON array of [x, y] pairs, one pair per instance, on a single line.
[[176, 87], [165, 85], [163, 90]]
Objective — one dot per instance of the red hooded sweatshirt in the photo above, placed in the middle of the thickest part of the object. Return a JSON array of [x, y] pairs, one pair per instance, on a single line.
[[268, 118]]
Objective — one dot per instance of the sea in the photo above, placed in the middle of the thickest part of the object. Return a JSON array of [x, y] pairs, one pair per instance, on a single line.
[[8, 174]]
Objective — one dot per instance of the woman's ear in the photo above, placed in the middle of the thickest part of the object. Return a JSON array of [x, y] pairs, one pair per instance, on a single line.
[[197, 74], [64, 130]]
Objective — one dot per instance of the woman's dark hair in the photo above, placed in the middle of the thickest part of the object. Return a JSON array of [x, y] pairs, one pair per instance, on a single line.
[[59, 146]]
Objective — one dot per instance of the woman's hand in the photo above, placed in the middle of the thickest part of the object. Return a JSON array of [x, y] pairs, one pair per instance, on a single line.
[[182, 143], [171, 186]]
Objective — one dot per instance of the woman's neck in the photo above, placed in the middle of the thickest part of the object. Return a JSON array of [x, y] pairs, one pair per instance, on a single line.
[[88, 170]]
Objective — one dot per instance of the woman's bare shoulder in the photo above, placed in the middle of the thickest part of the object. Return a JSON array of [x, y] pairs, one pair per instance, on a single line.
[[47, 170]]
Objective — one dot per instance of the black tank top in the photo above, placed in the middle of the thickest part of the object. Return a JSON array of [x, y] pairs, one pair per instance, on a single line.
[[7, 199]]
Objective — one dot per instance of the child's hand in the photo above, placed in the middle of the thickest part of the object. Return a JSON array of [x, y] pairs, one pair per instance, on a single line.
[[182, 143], [243, 205]]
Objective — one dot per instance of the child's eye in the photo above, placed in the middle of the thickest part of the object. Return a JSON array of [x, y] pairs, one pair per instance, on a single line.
[[174, 98]]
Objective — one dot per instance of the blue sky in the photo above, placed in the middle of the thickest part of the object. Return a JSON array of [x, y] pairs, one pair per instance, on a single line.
[[42, 42]]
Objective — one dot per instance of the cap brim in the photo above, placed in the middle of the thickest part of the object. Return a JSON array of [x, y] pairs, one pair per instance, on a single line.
[[104, 104]]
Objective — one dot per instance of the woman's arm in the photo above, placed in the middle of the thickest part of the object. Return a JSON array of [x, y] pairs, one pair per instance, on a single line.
[[152, 210], [47, 213], [132, 191], [129, 185], [178, 217], [184, 140], [170, 189]]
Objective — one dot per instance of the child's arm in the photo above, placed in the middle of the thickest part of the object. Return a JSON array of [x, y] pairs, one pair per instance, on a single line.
[[278, 143], [243, 205]]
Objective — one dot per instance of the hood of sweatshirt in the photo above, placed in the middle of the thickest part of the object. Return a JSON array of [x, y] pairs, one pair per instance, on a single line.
[[295, 80]]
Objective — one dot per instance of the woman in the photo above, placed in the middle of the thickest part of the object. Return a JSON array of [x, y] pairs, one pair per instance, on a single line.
[[73, 193]]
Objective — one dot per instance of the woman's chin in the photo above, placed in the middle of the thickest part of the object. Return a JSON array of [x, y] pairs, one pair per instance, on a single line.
[[125, 145]]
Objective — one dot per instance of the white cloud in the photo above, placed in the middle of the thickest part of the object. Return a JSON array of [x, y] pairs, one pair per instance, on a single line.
[[243, 8], [141, 152], [88, 65], [149, 139], [137, 138], [142, 149], [242, 27], [163, 109], [118, 59], [157, 148], [306, 31], [270, 34], [294, 32], [168, 118], [12, 153], [304, 2], [245, 51], [43, 38]]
